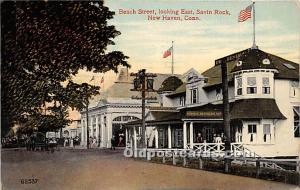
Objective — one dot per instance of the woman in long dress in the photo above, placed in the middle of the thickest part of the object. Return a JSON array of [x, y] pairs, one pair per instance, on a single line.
[[71, 143]]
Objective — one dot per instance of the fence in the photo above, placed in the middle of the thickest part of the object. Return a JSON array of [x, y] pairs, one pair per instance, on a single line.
[[283, 170]]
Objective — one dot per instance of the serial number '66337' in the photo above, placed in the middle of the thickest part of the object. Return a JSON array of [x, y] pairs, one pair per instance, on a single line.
[[29, 181]]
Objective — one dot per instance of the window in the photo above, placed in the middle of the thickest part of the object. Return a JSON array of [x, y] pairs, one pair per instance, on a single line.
[[265, 85], [194, 94], [219, 95], [251, 90], [252, 131], [289, 66], [251, 82], [267, 133], [296, 110], [239, 85], [294, 90], [182, 101], [251, 128]]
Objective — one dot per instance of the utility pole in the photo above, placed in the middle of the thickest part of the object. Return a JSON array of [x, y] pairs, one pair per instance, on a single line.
[[87, 115], [226, 116], [141, 80], [87, 124]]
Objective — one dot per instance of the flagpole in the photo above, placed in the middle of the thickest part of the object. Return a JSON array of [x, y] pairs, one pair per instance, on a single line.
[[172, 68], [254, 44]]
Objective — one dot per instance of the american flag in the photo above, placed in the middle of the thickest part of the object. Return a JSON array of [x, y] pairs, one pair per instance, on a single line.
[[245, 14], [167, 53]]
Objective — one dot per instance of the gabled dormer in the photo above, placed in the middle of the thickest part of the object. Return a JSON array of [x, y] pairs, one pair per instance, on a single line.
[[195, 94]]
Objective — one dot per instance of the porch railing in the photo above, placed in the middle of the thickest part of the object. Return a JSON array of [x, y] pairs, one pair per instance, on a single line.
[[237, 149]]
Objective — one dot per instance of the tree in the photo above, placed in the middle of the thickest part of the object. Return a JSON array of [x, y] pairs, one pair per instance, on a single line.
[[45, 44]]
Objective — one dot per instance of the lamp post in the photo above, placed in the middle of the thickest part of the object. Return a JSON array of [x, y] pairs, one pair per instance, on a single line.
[[141, 81]]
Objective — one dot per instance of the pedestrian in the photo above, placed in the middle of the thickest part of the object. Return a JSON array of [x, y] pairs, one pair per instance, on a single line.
[[199, 138], [65, 142], [94, 142], [218, 139], [113, 143], [90, 142], [71, 143]]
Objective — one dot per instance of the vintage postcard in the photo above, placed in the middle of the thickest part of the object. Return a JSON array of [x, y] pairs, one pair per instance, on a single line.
[[147, 95]]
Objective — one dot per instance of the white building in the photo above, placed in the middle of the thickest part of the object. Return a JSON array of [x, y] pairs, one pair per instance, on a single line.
[[264, 100], [109, 112]]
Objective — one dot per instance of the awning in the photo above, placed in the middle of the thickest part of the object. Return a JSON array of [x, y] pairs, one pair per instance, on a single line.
[[257, 108], [161, 117]]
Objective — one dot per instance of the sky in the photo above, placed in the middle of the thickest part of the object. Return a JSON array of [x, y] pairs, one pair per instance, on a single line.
[[197, 44]]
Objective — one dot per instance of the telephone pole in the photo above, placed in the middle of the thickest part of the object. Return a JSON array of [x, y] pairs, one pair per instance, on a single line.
[[226, 116], [143, 82]]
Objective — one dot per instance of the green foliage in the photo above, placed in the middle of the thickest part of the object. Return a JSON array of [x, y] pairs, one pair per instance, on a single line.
[[44, 44]]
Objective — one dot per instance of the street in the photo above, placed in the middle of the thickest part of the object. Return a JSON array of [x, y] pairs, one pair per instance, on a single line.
[[106, 169]]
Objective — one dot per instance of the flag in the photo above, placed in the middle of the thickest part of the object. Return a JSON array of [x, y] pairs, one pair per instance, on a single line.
[[245, 14], [167, 53], [102, 80]]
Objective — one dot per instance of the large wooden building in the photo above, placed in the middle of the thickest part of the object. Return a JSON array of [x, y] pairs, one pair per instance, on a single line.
[[264, 101]]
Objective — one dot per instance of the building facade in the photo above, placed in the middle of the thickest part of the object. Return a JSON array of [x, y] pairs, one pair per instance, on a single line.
[[264, 101], [109, 112]]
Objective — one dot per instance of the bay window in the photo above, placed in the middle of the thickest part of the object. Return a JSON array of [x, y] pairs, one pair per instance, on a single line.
[[265, 85], [251, 82], [239, 86]]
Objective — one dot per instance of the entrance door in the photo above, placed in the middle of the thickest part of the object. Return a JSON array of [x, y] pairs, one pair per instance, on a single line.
[[208, 134], [178, 138], [119, 133]]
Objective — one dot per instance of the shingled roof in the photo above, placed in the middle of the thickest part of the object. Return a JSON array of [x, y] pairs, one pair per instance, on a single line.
[[179, 91], [257, 108], [254, 59], [284, 72]]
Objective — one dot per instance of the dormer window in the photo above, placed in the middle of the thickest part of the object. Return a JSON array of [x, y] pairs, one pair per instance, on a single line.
[[219, 94], [190, 76], [182, 101], [251, 82], [239, 63], [266, 61]]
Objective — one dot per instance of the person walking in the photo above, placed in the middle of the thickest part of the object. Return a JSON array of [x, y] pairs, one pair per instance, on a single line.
[[71, 143], [113, 143]]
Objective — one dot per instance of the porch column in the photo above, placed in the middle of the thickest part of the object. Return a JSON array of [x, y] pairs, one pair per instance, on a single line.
[[169, 137], [134, 142], [156, 137], [108, 129], [102, 131], [191, 136], [131, 138], [126, 136], [97, 129], [184, 135], [83, 131], [91, 127]]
